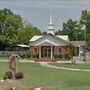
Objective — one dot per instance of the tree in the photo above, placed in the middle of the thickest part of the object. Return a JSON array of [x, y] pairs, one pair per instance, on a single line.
[[85, 15], [3, 15], [13, 30], [71, 50], [59, 32], [9, 25], [88, 39], [85, 21], [73, 30], [44, 33], [26, 33]]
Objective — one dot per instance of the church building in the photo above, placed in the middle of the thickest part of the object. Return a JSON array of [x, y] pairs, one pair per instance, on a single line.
[[50, 46]]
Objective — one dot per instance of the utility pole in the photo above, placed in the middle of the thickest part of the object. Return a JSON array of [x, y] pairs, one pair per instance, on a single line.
[[85, 39]]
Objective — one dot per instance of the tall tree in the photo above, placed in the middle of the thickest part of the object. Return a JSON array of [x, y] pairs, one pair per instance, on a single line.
[[26, 33], [59, 32], [44, 33], [85, 21], [9, 24], [73, 30], [13, 30]]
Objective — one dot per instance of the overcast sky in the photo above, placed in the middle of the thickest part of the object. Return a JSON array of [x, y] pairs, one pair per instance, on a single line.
[[37, 12]]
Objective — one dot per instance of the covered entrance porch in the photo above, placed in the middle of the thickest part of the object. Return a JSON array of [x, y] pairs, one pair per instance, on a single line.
[[46, 52]]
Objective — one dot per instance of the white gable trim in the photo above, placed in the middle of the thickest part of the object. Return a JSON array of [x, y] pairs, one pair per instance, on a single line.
[[48, 41]]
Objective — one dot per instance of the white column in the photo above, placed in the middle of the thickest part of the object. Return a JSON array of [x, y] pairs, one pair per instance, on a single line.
[[39, 51], [51, 52]]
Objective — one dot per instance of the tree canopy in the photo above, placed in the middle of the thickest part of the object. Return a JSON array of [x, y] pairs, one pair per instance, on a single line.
[[13, 30], [76, 29]]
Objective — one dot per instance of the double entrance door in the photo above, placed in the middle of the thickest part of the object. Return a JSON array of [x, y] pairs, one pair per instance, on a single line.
[[46, 52]]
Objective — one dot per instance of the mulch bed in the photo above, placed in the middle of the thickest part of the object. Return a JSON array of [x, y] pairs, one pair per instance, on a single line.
[[9, 83]]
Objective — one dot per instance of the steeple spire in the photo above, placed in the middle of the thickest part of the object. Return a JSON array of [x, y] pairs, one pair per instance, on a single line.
[[50, 26], [50, 19]]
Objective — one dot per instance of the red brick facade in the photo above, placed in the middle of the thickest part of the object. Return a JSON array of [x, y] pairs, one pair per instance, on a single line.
[[48, 53]]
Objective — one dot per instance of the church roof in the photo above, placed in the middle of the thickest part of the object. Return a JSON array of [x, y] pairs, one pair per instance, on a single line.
[[78, 43], [48, 38], [63, 37], [34, 38], [21, 45]]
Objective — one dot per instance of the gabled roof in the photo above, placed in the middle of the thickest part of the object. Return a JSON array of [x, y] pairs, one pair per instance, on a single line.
[[46, 42], [64, 37], [34, 38], [78, 43], [21, 45], [49, 38]]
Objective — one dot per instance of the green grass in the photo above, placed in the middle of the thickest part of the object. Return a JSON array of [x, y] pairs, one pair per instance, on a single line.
[[53, 79], [3, 58]]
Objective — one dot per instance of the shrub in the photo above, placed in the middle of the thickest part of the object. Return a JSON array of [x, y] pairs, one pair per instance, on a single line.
[[8, 75], [27, 54], [67, 55], [60, 56], [56, 56], [36, 60], [35, 55], [19, 75], [53, 60]]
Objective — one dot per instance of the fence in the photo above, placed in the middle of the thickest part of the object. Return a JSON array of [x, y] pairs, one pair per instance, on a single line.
[[8, 53]]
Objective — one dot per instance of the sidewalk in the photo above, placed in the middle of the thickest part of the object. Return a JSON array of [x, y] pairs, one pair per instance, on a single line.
[[63, 68]]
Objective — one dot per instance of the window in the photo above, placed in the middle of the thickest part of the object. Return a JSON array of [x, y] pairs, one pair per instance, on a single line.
[[59, 51]]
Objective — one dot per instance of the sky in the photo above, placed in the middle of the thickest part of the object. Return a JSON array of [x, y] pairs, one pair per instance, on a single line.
[[37, 12]]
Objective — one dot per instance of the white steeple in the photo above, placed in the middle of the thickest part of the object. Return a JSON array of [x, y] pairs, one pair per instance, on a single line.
[[50, 19], [50, 26]]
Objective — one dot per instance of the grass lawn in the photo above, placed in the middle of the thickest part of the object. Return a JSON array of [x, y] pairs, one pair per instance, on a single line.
[[3, 58], [53, 79]]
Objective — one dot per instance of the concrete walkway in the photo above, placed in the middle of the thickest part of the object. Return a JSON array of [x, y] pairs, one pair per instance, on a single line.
[[63, 68]]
